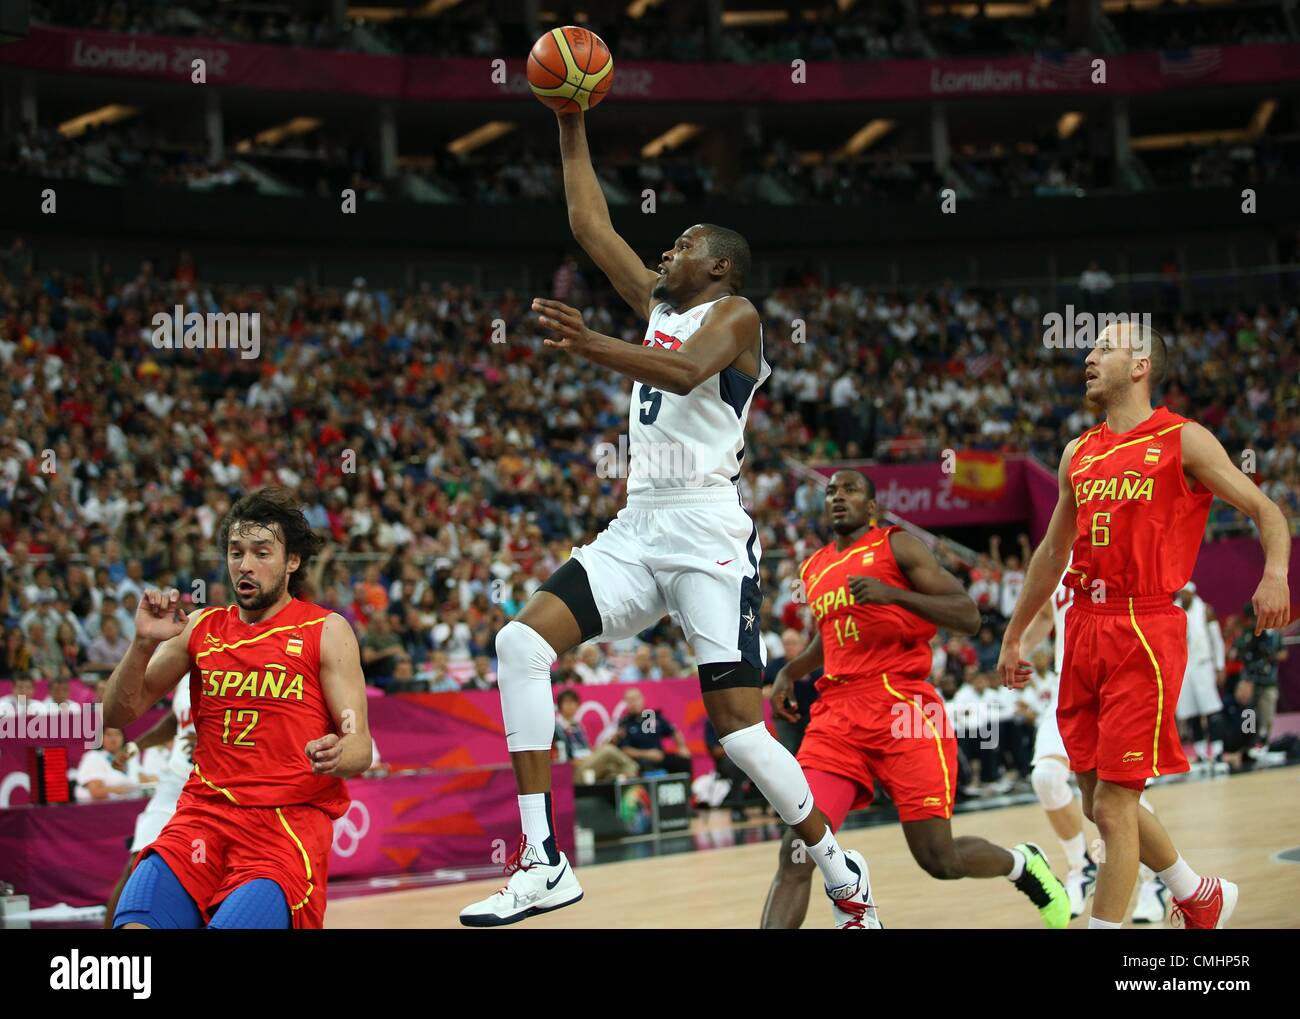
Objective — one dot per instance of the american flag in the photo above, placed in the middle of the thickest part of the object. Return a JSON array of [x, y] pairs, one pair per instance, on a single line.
[[1058, 68], [1193, 62]]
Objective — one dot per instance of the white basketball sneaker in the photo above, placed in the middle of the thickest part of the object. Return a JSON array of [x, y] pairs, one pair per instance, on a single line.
[[1152, 898], [851, 905], [535, 886], [1079, 884]]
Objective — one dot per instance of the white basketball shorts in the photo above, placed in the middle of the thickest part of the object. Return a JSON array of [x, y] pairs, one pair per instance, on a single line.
[[691, 554]]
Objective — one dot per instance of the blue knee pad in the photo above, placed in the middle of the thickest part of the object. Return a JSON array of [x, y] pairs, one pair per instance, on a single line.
[[254, 905], [153, 896]]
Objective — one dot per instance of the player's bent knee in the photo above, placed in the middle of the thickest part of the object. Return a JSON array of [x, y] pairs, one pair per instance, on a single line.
[[153, 898], [1051, 781], [524, 660], [255, 905], [938, 863]]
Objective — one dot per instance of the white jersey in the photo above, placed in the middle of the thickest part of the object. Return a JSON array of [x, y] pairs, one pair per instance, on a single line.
[[1062, 599], [693, 441], [1204, 636], [181, 761]]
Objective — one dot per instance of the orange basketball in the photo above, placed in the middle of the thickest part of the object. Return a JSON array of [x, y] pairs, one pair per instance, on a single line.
[[570, 69]]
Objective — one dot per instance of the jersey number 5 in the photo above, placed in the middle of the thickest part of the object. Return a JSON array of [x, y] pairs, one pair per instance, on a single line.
[[650, 401]]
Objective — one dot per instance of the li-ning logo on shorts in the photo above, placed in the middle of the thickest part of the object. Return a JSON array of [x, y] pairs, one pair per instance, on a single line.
[[1131, 756], [931, 801], [214, 641]]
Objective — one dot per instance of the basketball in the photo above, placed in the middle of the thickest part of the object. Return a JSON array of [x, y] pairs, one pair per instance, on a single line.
[[570, 69]]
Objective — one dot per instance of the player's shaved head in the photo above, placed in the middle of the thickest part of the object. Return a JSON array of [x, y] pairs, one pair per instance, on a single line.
[[726, 243], [850, 502], [1143, 341]]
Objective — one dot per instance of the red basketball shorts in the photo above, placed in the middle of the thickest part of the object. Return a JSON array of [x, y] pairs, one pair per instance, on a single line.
[[1120, 678], [213, 848], [895, 731]]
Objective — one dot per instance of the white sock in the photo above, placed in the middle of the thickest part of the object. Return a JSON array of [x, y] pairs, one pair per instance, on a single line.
[[535, 816], [1017, 864], [1076, 852], [1102, 925], [829, 858], [1180, 879]]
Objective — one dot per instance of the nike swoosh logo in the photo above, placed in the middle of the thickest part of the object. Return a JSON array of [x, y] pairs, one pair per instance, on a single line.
[[721, 563], [723, 675], [805, 800], [550, 885], [509, 734]]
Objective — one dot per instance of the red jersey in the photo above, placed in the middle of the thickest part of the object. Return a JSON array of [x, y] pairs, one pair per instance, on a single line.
[[864, 641], [257, 701], [1138, 525]]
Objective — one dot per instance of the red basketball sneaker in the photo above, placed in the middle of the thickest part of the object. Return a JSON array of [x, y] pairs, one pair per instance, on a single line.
[[1207, 908]]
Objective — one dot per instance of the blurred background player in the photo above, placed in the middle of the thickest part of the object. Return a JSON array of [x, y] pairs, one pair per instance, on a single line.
[[1200, 705], [279, 706], [876, 594], [177, 728], [683, 545], [1134, 495]]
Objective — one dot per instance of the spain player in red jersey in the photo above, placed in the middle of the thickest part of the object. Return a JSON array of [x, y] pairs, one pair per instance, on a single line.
[[877, 594], [279, 707], [1135, 493]]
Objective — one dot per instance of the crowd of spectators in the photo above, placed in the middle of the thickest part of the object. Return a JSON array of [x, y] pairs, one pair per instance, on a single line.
[[453, 474]]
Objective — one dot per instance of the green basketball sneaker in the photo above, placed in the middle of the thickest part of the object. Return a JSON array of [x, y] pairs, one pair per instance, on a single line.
[[1044, 890]]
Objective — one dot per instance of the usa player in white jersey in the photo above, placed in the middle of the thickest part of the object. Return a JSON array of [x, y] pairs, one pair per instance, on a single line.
[[683, 546], [1051, 777], [1200, 697], [178, 727]]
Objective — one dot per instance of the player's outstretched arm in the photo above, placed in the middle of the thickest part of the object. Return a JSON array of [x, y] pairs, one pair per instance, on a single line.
[[348, 750], [589, 219], [154, 663], [730, 328], [938, 596], [1205, 459], [1042, 576]]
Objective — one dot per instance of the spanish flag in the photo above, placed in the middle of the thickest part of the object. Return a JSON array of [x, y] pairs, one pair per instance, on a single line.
[[979, 476], [293, 646]]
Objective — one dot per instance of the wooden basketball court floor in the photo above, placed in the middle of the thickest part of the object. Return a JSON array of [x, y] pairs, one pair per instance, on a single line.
[[1231, 827]]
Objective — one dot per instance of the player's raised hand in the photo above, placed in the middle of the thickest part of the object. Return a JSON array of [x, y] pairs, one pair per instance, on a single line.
[[565, 322], [870, 591], [324, 754], [1272, 604], [159, 615], [1013, 669], [782, 697]]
